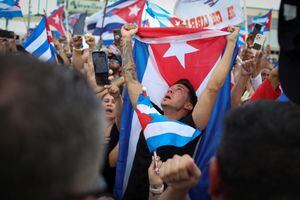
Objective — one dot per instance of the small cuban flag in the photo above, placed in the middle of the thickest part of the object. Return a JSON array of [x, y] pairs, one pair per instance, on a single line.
[[160, 131]]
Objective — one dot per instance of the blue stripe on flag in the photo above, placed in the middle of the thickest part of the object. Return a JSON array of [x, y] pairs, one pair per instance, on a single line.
[[36, 33], [211, 138], [169, 139], [41, 50], [141, 60]]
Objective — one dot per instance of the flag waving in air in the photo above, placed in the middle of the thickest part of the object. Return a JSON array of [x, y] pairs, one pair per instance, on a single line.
[[40, 43], [55, 21], [163, 56], [118, 14], [10, 9], [156, 16], [264, 20], [160, 131]]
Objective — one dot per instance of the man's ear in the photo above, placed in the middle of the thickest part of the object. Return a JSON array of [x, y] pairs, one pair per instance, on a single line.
[[215, 187], [189, 106]]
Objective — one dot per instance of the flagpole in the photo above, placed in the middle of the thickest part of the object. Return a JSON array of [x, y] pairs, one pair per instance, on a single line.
[[246, 18], [104, 13], [67, 24], [29, 16], [6, 24], [45, 14]]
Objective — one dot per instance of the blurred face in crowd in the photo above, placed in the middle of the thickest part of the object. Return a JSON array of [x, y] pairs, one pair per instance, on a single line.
[[108, 104], [176, 97], [265, 74], [114, 65]]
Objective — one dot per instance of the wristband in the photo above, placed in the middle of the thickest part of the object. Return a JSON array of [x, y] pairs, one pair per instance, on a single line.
[[78, 50], [156, 191]]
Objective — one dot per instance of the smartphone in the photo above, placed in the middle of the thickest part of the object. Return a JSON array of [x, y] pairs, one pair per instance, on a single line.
[[101, 67], [258, 42], [117, 37], [256, 30], [7, 34]]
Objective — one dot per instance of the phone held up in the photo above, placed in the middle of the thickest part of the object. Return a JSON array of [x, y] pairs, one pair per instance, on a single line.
[[101, 67], [259, 39]]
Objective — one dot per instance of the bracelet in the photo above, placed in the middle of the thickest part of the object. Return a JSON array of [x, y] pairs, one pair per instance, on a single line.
[[78, 50], [156, 191]]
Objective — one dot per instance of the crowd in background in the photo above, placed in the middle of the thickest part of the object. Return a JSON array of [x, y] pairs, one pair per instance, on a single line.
[[253, 77]]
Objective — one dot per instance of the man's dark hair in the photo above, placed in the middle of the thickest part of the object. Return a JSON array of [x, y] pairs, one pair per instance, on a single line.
[[259, 152], [189, 86], [50, 131]]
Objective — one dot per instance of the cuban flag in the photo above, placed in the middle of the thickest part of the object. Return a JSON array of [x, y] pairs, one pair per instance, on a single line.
[[156, 16], [242, 36], [160, 131], [116, 16], [264, 20], [162, 56], [55, 21], [10, 9], [40, 43]]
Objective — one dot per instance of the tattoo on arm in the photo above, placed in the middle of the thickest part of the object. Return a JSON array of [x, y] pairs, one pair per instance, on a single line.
[[129, 69]]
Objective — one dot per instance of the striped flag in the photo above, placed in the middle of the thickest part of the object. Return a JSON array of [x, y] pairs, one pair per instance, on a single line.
[[156, 16], [160, 131], [264, 20], [117, 14], [10, 9], [40, 43]]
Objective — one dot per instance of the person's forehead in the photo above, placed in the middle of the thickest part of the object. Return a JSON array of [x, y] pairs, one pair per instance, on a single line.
[[179, 85]]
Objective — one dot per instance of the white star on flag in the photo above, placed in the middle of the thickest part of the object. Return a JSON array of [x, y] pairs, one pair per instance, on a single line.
[[134, 10], [179, 50], [177, 23], [56, 19]]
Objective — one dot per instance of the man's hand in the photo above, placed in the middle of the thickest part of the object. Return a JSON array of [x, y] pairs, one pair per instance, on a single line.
[[128, 31], [234, 34], [261, 63], [247, 54], [154, 178], [113, 90], [247, 67], [90, 40], [180, 172], [77, 42]]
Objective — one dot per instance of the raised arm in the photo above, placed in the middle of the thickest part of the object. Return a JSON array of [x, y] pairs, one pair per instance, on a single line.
[[129, 69], [204, 106]]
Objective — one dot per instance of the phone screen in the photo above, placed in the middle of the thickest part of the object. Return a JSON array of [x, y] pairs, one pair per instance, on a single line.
[[101, 67], [256, 29]]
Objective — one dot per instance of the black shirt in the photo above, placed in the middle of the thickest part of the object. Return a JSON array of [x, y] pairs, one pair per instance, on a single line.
[[109, 173], [138, 183]]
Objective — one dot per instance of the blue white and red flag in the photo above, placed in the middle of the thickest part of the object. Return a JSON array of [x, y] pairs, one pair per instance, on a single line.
[[160, 131], [156, 16], [265, 20], [162, 56], [10, 9], [55, 21], [40, 43]]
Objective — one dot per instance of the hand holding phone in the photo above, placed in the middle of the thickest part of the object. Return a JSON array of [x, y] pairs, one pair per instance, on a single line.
[[258, 42], [101, 67]]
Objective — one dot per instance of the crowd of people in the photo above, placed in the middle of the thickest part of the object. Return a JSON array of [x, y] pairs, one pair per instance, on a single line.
[[60, 128]]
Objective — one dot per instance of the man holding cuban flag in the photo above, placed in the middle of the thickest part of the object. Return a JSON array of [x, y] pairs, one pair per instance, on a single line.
[[180, 102]]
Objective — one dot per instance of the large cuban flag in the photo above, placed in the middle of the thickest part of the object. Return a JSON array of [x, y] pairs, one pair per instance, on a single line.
[[163, 56], [10, 9]]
